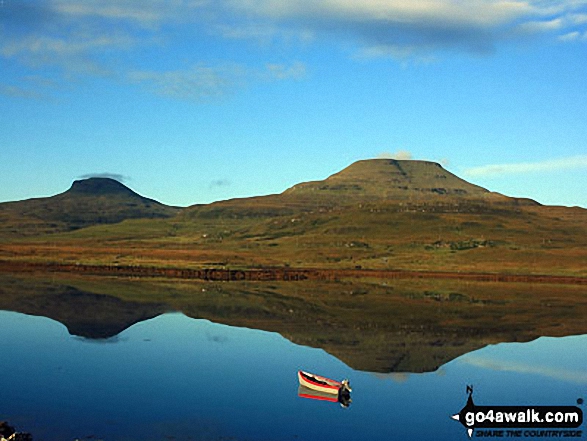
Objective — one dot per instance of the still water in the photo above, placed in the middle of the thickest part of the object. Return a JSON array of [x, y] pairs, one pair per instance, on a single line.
[[177, 378]]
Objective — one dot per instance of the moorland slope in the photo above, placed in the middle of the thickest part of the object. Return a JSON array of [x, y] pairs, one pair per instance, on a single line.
[[88, 202], [379, 214]]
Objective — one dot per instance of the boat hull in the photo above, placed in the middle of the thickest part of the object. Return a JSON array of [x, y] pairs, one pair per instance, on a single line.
[[304, 392], [318, 383]]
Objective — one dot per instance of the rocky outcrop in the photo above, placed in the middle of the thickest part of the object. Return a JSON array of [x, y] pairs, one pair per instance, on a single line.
[[8, 433]]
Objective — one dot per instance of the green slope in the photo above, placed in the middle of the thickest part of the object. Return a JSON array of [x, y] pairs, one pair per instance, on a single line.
[[374, 214]]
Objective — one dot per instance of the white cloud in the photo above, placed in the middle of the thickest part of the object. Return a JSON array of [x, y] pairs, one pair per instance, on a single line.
[[19, 92], [400, 154], [577, 19], [198, 83], [571, 36], [295, 71], [204, 82], [253, 31], [473, 11], [574, 162], [387, 27], [542, 25], [145, 13], [90, 37], [401, 28], [219, 183], [76, 52], [30, 87], [116, 176], [402, 53], [579, 377]]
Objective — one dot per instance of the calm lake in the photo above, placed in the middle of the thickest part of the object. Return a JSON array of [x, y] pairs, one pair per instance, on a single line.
[[177, 378]]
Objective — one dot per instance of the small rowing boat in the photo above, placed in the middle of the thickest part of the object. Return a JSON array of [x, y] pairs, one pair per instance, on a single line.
[[323, 384], [304, 392], [343, 397]]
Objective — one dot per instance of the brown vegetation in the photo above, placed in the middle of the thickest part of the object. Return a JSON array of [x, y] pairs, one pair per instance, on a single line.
[[384, 215], [284, 274]]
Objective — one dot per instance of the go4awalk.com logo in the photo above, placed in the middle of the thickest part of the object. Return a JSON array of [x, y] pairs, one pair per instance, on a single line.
[[520, 421]]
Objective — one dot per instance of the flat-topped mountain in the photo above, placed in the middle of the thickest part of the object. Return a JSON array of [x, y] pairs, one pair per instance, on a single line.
[[374, 214], [386, 213], [406, 326], [100, 187], [88, 202], [392, 179], [84, 312], [379, 181]]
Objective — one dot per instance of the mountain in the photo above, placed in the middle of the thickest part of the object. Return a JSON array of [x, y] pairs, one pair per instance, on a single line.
[[374, 214], [386, 213], [404, 183], [82, 311], [88, 202], [406, 326], [390, 179]]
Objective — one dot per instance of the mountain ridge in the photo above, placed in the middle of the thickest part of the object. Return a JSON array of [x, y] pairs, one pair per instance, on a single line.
[[375, 214]]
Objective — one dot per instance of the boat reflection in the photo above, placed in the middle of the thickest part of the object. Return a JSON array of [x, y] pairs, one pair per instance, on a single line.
[[343, 397]]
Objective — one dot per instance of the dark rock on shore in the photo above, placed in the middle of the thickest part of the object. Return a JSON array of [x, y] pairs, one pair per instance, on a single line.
[[6, 430], [8, 433]]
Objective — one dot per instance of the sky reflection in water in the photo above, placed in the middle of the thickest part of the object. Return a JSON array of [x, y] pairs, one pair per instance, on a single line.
[[174, 376]]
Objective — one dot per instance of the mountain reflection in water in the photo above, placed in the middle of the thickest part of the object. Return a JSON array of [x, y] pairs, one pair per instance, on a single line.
[[407, 326], [174, 377]]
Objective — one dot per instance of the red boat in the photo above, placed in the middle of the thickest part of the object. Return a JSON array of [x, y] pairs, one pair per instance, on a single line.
[[323, 384], [343, 397], [304, 392]]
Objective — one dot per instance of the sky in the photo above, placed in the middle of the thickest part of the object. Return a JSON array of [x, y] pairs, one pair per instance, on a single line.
[[193, 101]]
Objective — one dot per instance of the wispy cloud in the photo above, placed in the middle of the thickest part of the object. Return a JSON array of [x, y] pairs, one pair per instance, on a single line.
[[215, 338], [19, 92], [30, 87], [147, 13], [295, 71], [202, 83], [574, 162], [573, 36], [578, 377], [219, 183], [401, 28], [542, 26], [577, 19], [101, 37], [198, 83], [73, 53], [400, 154], [115, 176]]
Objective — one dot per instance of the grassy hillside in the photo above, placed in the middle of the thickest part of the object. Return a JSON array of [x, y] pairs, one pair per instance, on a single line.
[[374, 214]]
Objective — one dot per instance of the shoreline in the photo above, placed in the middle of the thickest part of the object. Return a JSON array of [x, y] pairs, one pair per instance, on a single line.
[[280, 273]]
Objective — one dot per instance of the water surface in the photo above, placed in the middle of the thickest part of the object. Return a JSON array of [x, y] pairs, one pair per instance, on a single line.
[[174, 377]]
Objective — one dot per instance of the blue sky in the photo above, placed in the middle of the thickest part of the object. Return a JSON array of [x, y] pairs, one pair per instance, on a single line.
[[191, 101]]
